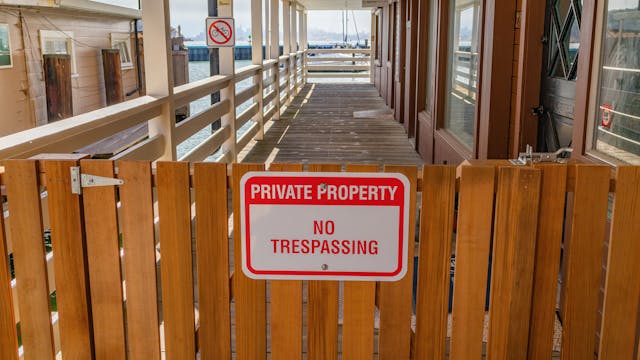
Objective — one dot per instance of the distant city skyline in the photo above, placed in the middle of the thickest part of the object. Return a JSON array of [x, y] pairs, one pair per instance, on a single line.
[[190, 16]]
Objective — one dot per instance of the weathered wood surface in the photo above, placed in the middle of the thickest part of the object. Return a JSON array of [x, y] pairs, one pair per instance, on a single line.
[[112, 70], [319, 127]]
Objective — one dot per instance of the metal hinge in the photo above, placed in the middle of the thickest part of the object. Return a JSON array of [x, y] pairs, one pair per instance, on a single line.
[[79, 181], [529, 157]]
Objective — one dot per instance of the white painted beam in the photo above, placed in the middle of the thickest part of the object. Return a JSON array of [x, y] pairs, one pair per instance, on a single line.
[[275, 50], [158, 66], [257, 59], [228, 67]]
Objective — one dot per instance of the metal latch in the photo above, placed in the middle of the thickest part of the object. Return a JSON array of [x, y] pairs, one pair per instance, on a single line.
[[529, 157], [79, 181]]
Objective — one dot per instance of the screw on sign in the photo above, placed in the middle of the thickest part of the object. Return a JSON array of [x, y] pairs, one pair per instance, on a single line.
[[220, 32]]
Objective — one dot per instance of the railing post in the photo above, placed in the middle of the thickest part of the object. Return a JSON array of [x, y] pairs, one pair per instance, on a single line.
[[301, 43], [275, 52], [159, 71], [286, 29], [294, 46], [257, 59], [305, 46], [372, 48], [228, 67]]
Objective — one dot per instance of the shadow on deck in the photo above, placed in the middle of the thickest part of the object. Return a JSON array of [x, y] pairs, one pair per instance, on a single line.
[[334, 123]]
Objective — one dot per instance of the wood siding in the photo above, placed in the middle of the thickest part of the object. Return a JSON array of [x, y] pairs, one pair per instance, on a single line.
[[15, 103], [23, 91]]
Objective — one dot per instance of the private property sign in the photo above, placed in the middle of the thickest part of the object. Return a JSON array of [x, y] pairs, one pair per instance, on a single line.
[[324, 226]]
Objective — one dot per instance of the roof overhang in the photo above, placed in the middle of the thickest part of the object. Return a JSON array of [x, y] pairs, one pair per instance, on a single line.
[[101, 8], [340, 4], [89, 6]]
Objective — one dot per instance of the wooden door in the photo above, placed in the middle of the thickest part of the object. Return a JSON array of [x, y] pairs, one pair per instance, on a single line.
[[559, 69]]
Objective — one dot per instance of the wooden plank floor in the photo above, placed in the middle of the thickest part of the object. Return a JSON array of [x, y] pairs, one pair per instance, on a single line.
[[319, 126]]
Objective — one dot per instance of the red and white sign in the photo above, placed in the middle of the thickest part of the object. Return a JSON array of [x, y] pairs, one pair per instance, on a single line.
[[324, 226], [606, 115], [220, 32]]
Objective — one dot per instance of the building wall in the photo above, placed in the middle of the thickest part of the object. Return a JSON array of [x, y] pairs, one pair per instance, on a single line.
[[16, 114], [91, 34], [495, 128]]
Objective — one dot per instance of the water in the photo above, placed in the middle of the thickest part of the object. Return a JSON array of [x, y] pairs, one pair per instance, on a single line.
[[199, 70]]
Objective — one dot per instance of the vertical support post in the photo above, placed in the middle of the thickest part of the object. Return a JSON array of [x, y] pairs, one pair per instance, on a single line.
[[305, 46], [301, 42], [274, 34], [214, 61], [373, 41], [228, 67], [158, 69], [286, 28], [257, 59], [267, 30], [294, 47]]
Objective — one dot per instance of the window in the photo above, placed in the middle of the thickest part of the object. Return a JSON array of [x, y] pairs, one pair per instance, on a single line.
[[615, 121], [58, 42], [462, 75], [122, 42], [5, 47]]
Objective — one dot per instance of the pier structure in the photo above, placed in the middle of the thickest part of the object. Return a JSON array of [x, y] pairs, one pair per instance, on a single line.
[[510, 253]]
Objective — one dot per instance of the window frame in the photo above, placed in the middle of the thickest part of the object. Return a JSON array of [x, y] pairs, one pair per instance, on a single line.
[[5, 25], [592, 107], [465, 149], [126, 38], [46, 34]]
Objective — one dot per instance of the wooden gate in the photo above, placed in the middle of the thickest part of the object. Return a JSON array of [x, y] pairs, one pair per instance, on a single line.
[[147, 268]]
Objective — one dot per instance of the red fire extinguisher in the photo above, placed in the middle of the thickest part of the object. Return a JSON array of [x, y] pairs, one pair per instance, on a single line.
[[607, 115]]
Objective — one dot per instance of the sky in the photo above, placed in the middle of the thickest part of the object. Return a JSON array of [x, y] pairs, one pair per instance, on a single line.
[[191, 14]]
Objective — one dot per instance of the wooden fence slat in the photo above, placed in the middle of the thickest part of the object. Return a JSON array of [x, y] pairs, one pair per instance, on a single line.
[[286, 307], [475, 217], [584, 261], [622, 288], [176, 266], [359, 307], [547, 259], [29, 255], [139, 261], [395, 298], [514, 245], [8, 333], [103, 257], [72, 279], [434, 261], [249, 295], [212, 249], [322, 319]]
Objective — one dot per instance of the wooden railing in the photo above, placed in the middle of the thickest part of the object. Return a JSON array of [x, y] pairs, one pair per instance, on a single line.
[[71, 134], [465, 74], [338, 63], [68, 135], [508, 219]]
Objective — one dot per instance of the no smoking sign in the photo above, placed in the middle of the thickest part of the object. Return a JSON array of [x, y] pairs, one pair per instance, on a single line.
[[220, 32]]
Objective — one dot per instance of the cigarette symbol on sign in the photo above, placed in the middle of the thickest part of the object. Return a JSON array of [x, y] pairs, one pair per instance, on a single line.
[[220, 32]]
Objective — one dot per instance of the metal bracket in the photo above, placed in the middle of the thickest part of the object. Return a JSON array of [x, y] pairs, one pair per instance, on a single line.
[[79, 181], [529, 157]]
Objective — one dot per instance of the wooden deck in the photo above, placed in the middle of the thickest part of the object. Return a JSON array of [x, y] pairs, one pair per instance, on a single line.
[[334, 123]]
